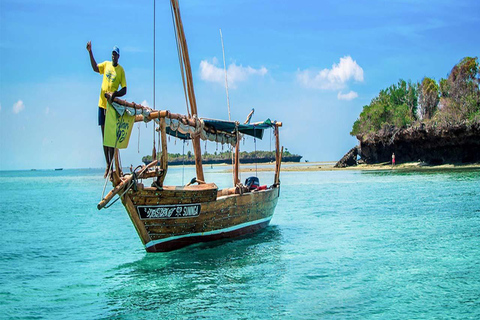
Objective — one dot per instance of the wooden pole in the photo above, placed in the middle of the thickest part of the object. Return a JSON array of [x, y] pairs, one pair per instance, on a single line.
[[278, 168], [121, 185], [237, 162], [164, 159], [198, 158], [190, 90], [277, 154]]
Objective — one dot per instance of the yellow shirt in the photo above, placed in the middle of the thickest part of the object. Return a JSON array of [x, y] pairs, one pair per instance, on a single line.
[[112, 78]]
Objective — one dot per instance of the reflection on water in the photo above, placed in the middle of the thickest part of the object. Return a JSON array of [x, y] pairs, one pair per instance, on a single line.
[[200, 277]]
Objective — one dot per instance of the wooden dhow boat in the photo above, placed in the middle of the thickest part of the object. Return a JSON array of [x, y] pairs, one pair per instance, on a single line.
[[171, 217]]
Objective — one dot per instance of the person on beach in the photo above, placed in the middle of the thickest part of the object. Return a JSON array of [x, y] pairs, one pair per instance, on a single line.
[[393, 159], [113, 77]]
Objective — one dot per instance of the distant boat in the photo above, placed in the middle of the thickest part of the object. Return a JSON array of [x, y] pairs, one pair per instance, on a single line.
[[58, 169]]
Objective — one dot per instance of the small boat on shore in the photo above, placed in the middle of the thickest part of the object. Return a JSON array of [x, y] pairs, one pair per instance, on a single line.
[[171, 217]]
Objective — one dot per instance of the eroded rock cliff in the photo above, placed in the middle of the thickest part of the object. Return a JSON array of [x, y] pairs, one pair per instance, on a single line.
[[459, 143]]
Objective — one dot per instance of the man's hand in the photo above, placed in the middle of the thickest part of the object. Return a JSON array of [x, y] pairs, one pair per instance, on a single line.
[[92, 59], [112, 96]]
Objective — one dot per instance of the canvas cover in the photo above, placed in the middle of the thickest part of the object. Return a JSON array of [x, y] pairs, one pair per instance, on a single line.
[[118, 128]]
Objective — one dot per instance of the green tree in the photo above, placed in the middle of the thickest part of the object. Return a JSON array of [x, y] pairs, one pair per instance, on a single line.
[[395, 106], [460, 93], [428, 97]]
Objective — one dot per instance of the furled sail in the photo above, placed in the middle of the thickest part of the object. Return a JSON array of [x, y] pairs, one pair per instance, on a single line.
[[184, 127]]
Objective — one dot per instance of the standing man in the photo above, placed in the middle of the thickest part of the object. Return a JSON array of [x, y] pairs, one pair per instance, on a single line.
[[113, 77]]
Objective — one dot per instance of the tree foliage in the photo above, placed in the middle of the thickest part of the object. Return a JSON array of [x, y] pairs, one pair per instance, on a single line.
[[428, 97], [219, 156], [394, 106], [460, 93], [452, 100]]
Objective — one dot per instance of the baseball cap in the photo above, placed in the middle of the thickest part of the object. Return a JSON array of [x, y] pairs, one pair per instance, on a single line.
[[116, 49]]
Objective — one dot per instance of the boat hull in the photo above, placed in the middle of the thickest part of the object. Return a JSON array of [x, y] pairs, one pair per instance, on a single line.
[[167, 220]]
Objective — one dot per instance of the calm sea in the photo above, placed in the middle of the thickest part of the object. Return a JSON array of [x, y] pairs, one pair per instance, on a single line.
[[342, 245]]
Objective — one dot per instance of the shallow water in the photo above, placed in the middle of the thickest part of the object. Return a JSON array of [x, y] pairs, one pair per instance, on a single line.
[[341, 245]]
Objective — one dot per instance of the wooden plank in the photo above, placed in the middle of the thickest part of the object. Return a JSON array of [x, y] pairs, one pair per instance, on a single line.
[[217, 215], [139, 226]]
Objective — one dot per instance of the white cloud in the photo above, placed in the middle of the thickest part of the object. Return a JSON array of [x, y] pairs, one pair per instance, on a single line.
[[145, 103], [332, 79], [212, 73], [347, 96], [18, 106]]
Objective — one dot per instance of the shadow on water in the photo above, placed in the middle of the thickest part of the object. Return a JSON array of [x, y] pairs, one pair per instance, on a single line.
[[195, 278]]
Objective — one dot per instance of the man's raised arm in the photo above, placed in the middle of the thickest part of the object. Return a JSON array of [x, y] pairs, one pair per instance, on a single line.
[[92, 59]]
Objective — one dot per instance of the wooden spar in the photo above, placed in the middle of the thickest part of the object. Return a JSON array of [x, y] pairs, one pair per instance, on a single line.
[[185, 56], [164, 158], [190, 90], [277, 176], [198, 158], [277, 154], [121, 185], [157, 114]]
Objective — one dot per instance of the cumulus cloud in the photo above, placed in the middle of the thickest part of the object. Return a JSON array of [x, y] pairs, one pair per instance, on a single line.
[[347, 96], [18, 106], [236, 73], [332, 79], [145, 103]]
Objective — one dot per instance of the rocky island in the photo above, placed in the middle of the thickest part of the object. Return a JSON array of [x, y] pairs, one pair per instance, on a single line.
[[430, 122]]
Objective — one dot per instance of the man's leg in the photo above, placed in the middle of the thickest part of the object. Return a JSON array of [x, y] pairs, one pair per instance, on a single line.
[[107, 152]]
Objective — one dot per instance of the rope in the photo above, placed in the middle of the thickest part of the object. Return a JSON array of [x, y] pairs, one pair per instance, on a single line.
[[132, 183], [225, 68]]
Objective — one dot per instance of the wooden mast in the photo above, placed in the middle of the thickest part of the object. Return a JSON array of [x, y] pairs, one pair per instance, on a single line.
[[164, 158], [278, 156], [237, 160], [182, 42]]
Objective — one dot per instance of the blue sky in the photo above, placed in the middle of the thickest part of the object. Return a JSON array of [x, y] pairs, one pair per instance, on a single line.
[[312, 65]]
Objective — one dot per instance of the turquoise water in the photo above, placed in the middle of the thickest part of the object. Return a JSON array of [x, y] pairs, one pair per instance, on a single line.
[[342, 245]]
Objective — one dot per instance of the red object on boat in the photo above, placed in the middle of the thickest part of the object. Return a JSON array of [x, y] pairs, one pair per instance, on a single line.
[[264, 187]]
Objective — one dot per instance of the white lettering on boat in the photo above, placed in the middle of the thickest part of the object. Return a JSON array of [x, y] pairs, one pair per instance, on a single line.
[[169, 211]]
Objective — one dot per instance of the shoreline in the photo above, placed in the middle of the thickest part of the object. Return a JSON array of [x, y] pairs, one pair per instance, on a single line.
[[329, 166], [312, 166]]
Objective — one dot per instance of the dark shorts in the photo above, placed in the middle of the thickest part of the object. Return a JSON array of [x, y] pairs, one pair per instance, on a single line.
[[101, 116]]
